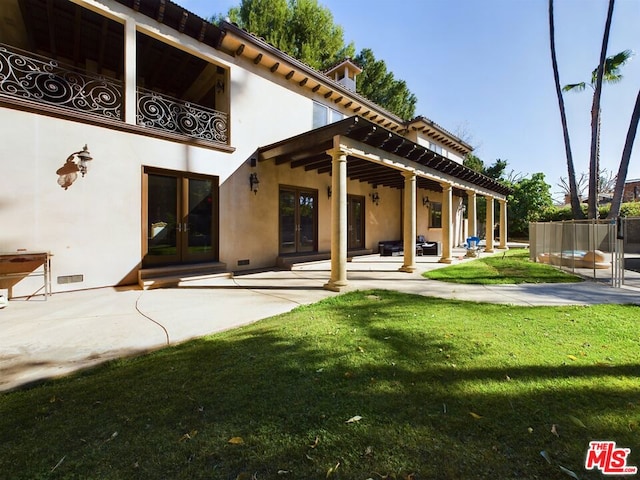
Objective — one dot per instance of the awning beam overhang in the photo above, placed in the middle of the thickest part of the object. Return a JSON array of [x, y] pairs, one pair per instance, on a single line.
[[396, 162]]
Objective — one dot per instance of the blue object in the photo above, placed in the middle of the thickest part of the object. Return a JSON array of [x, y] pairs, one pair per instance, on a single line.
[[472, 242]]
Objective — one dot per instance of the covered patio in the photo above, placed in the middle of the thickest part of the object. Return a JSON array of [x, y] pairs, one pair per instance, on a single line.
[[356, 149]]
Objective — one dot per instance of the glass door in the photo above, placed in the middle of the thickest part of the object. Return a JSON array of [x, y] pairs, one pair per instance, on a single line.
[[163, 219], [306, 241], [355, 222], [298, 220], [199, 215], [181, 224]]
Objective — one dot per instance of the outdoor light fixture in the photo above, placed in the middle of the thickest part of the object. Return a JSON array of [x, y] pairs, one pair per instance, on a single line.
[[254, 182], [68, 173], [329, 192], [425, 201], [375, 198]]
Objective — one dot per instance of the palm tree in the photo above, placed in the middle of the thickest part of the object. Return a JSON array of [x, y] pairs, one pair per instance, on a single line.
[[573, 190], [611, 74], [595, 117], [624, 162]]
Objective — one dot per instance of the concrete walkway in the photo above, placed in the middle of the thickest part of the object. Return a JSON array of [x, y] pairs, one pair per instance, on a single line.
[[43, 339]]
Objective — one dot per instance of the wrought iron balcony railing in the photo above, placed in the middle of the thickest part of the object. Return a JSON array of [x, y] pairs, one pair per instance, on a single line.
[[39, 79], [174, 115], [31, 77]]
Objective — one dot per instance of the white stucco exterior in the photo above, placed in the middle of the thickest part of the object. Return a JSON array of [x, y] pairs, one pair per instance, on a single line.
[[94, 229]]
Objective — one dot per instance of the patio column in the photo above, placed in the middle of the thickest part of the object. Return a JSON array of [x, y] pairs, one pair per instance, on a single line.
[[471, 213], [503, 224], [130, 74], [338, 281], [409, 222], [447, 218], [489, 226]]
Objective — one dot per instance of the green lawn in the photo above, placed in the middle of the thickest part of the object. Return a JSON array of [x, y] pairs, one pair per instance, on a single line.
[[364, 385], [511, 267]]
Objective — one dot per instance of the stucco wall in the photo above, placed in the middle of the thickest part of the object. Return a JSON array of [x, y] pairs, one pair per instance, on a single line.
[[94, 228]]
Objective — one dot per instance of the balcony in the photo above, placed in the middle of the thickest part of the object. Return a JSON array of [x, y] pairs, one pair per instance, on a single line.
[[34, 79], [173, 115]]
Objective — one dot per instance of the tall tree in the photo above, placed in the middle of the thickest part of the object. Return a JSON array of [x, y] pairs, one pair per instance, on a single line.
[[380, 86], [495, 171], [624, 161], [530, 198], [610, 74], [302, 28], [573, 190], [314, 37], [306, 30], [592, 211]]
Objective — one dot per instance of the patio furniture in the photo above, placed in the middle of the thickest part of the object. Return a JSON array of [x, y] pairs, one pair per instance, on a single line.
[[472, 247], [390, 248], [15, 266], [428, 248]]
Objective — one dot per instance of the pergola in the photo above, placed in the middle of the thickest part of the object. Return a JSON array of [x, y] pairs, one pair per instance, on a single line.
[[359, 150]]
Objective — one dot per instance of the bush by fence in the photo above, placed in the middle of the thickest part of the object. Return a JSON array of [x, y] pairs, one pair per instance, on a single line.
[[559, 214]]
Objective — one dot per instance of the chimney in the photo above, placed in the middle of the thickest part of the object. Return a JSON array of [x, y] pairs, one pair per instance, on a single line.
[[345, 74]]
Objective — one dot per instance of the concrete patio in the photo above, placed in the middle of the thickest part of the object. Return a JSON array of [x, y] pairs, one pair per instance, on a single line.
[[70, 331]]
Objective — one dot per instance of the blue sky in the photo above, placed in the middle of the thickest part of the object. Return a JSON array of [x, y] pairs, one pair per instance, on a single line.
[[484, 67]]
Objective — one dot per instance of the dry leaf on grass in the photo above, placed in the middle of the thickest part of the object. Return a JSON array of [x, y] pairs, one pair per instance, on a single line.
[[546, 456], [475, 415], [332, 470], [354, 419], [236, 441], [188, 436], [577, 421], [568, 472]]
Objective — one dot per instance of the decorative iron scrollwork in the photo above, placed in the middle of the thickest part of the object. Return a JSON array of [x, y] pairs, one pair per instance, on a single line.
[[31, 77], [171, 114], [46, 81]]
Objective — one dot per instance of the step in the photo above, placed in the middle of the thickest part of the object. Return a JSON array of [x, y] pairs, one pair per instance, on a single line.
[[287, 262], [176, 275]]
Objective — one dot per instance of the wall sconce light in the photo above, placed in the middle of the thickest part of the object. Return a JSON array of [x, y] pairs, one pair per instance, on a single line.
[[68, 173], [329, 192], [254, 182], [425, 201], [375, 198]]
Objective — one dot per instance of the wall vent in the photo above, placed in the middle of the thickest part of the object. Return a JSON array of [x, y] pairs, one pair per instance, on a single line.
[[70, 279], [243, 262]]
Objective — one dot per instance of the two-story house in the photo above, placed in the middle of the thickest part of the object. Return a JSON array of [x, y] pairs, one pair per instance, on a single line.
[[207, 149]]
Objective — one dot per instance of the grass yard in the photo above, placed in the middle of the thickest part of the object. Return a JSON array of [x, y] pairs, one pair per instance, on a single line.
[[511, 267], [365, 385]]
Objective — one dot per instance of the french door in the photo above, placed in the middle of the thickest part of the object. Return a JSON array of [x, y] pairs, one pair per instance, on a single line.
[[298, 220], [181, 218], [355, 222]]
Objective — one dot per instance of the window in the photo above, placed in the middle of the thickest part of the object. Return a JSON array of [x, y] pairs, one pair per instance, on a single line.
[[435, 215], [435, 148], [323, 115]]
